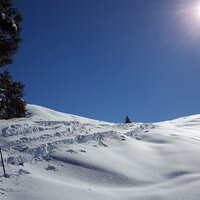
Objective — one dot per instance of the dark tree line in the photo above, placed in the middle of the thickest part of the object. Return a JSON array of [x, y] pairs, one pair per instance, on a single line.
[[11, 92]]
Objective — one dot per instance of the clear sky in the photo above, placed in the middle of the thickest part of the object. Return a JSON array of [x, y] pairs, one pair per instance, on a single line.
[[106, 59]]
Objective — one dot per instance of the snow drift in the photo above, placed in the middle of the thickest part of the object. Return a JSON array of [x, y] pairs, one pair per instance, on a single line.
[[52, 155]]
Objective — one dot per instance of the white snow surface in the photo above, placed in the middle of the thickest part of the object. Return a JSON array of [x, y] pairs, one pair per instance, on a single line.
[[55, 156]]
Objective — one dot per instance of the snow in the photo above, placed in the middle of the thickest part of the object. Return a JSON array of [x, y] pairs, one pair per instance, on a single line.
[[51, 155]]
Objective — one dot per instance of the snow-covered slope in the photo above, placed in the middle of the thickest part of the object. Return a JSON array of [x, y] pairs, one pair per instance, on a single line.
[[51, 155]]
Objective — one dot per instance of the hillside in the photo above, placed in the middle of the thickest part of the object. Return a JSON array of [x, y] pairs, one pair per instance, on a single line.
[[51, 155]]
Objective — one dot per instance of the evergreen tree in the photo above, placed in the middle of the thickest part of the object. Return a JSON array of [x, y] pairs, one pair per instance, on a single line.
[[10, 19], [127, 120], [11, 93]]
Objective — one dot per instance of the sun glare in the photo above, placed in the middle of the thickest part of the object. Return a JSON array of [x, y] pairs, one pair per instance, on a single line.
[[197, 12], [192, 12], [189, 15]]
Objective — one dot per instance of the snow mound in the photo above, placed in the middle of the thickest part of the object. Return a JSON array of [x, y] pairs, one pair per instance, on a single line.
[[39, 112], [78, 158]]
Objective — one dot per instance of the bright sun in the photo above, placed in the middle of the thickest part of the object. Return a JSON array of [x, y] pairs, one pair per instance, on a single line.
[[197, 11], [189, 14]]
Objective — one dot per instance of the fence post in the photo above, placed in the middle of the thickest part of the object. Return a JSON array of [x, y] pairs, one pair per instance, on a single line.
[[4, 171]]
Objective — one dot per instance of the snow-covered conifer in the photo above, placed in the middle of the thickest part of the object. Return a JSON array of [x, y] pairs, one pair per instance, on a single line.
[[10, 20], [127, 120], [11, 93]]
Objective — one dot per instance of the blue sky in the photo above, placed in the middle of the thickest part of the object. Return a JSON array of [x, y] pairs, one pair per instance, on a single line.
[[106, 59]]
